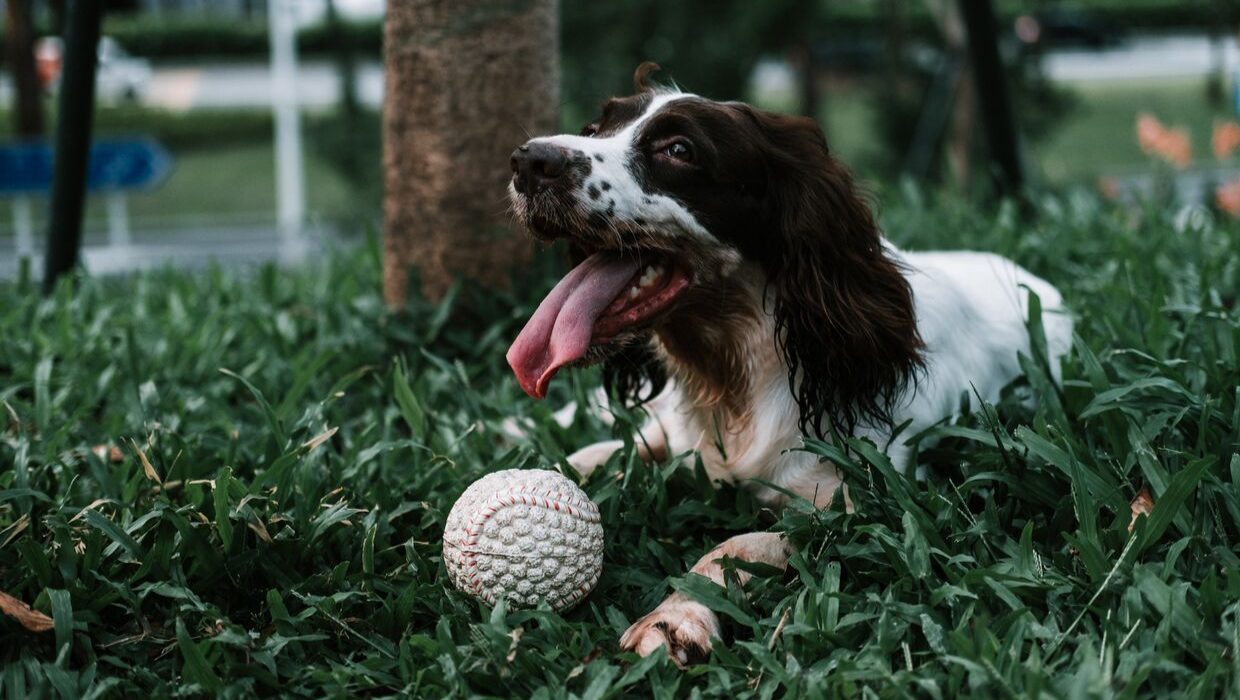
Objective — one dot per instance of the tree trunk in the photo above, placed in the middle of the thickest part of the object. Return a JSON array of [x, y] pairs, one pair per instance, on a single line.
[[466, 82], [28, 118]]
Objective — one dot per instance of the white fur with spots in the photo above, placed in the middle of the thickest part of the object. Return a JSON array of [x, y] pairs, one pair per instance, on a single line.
[[620, 194]]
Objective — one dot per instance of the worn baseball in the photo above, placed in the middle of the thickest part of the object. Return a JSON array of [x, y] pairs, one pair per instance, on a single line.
[[524, 535]]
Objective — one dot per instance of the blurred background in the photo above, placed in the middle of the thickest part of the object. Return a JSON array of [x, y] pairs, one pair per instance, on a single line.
[[1132, 99]]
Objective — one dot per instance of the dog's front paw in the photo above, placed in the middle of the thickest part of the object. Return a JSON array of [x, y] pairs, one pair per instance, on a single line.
[[681, 626]]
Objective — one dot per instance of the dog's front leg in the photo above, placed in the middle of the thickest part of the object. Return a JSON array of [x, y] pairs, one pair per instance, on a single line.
[[651, 447], [683, 627]]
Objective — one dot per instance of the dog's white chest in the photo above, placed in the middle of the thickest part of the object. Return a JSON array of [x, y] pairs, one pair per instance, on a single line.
[[764, 447]]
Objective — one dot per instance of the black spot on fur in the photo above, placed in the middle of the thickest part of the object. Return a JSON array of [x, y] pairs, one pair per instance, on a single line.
[[639, 221], [606, 185], [593, 192], [597, 219], [598, 157]]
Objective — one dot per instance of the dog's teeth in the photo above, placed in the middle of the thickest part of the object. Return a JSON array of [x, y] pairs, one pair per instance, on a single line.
[[633, 292], [650, 274]]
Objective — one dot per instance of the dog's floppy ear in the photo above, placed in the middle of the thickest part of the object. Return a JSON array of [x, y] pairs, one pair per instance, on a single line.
[[844, 315]]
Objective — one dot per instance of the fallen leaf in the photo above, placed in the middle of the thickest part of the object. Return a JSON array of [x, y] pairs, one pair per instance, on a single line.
[[29, 618], [1143, 504]]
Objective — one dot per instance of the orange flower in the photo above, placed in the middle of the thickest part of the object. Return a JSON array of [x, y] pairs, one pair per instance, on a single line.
[[1171, 145], [1227, 197], [1149, 132], [1177, 149], [1109, 188], [1226, 138]]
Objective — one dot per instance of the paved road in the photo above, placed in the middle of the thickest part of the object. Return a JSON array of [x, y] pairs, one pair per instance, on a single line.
[[1175, 56], [183, 87]]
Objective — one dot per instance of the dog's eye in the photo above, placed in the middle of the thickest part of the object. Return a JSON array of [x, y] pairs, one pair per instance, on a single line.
[[590, 130], [679, 150]]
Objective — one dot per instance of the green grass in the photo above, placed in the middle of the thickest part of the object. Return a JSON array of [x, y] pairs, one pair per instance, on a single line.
[[1096, 138], [1100, 135], [232, 181], [232, 184], [202, 128], [223, 171], [247, 561]]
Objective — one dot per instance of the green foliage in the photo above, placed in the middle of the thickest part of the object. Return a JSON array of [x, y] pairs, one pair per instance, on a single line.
[[351, 144], [304, 446], [200, 129], [179, 35], [708, 47], [164, 36]]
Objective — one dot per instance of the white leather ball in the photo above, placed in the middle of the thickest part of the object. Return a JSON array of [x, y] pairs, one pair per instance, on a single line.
[[524, 535]]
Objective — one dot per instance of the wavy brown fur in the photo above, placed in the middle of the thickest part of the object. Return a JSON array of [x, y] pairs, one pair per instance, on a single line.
[[705, 347], [844, 317]]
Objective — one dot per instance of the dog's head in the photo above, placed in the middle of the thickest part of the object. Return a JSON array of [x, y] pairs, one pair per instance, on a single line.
[[664, 196]]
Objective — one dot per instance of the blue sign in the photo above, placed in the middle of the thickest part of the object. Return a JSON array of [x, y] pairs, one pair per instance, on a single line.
[[115, 165]]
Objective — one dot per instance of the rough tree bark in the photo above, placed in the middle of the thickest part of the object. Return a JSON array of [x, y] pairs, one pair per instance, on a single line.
[[465, 81], [28, 118]]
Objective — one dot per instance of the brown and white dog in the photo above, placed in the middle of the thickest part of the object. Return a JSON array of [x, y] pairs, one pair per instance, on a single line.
[[731, 276]]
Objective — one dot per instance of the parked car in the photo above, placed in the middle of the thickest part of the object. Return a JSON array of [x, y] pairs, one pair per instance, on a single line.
[[119, 77]]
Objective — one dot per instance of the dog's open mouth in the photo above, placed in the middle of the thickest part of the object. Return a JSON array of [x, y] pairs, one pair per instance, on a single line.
[[607, 294]]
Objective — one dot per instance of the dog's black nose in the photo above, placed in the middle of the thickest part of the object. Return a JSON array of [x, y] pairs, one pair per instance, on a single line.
[[536, 165]]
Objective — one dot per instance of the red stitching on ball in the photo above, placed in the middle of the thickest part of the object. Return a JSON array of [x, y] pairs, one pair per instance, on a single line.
[[587, 511]]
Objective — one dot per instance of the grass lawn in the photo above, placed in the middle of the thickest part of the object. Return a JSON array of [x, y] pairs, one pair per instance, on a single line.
[[1100, 136], [233, 182], [269, 523], [223, 172], [230, 185]]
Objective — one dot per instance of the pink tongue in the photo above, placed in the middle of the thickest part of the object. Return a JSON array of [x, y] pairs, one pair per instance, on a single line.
[[560, 330]]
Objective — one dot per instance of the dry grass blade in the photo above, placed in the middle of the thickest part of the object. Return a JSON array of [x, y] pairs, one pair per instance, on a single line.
[[319, 439], [147, 468], [91, 506]]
